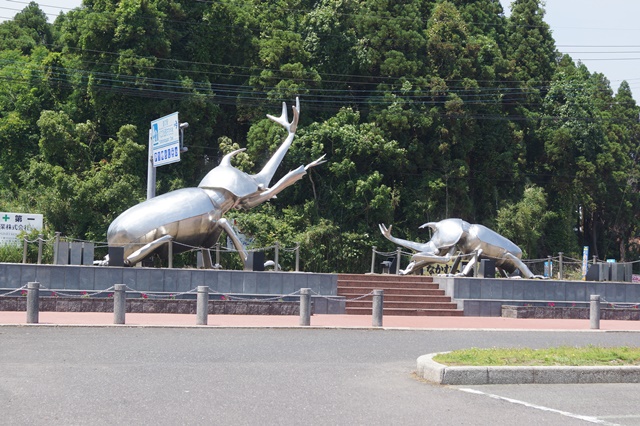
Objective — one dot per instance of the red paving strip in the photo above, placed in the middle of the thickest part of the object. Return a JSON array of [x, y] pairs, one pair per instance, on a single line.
[[332, 321]]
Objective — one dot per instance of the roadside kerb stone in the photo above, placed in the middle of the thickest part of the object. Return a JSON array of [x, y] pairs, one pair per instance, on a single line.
[[435, 372]]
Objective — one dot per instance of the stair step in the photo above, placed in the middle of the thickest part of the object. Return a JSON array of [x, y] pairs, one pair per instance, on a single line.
[[360, 291], [404, 305], [386, 284], [403, 295], [384, 277], [408, 312], [437, 298]]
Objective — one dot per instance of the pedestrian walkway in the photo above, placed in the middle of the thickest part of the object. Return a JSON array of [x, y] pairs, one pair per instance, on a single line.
[[327, 321]]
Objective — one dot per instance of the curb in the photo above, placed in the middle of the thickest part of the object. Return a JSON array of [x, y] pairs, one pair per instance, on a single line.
[[435, 372]]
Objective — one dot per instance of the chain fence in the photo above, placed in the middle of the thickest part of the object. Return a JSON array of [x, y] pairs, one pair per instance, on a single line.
[[558, 267], [61, 250], [108, 292]]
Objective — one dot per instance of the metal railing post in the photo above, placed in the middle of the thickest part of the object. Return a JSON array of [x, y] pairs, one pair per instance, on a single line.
[[305, 306], [297, 257], [56, 248], [594, 312], [40, 249], [373, 259], [398, 260], [170, 249], [119, 303], [24, 251], [33, 307], [377, 307], [217, 255], [277, 257], [560, 266]]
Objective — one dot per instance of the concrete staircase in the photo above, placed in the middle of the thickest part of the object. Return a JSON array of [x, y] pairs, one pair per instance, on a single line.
[[403, 295]]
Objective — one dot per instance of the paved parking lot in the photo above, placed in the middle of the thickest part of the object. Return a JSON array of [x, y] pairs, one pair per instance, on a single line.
[[207, 375]]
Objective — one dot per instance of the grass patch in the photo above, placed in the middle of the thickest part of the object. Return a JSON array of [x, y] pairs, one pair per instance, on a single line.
[[558, 356]]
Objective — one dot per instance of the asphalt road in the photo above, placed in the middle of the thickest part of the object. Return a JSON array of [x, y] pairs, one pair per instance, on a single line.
[[170, 376]]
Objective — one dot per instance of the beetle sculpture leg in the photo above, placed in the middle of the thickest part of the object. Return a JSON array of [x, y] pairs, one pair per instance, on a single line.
[[147, 249], [526, 272], [226, 226], [423, 259], [413, 266], [474, 259], [456, 264], [207, 263]]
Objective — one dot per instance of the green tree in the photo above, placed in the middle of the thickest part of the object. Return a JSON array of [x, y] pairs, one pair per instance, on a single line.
[[525, 221]]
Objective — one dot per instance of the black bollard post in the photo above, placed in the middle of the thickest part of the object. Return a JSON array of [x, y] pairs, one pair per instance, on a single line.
[[33, 307]]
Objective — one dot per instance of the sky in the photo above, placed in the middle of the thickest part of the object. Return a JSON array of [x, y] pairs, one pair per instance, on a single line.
[[604, 35]]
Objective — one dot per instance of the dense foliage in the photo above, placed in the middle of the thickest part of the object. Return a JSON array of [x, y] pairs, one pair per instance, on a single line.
[[426, 109]]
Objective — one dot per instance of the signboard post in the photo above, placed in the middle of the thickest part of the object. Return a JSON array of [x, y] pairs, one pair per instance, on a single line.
[[12, 224]]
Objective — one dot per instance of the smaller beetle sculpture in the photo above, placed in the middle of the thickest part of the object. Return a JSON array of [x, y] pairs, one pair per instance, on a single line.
[[455, 235], [193, 217]]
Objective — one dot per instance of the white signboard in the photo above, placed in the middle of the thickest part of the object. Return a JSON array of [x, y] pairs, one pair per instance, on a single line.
[[165, 140], [12, 224]]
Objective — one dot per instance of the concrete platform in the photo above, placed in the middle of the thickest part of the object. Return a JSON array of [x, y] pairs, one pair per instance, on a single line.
[[426, 367]]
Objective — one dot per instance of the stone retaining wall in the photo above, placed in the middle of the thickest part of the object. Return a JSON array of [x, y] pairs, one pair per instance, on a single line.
[[158, 306], [632, 314]]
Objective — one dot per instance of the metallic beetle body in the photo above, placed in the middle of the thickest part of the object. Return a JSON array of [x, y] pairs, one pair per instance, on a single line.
[[164, 215], [455, 235], [194, 217]]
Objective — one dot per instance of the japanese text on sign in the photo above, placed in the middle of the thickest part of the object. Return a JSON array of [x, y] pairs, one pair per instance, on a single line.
[[12, 224], [165, 140]]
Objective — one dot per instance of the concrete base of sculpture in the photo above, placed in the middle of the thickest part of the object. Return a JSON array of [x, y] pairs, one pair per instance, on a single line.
[[74, 279], [485, 296]]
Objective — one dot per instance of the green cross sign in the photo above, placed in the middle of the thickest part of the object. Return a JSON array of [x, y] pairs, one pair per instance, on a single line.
[[5, 217]]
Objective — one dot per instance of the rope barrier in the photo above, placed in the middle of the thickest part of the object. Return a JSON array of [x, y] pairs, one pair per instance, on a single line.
[[341, 298], [14, 291], [151, 295], [620, 304]]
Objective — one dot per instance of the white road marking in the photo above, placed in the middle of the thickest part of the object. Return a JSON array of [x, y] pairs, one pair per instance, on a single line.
[[540, 407]]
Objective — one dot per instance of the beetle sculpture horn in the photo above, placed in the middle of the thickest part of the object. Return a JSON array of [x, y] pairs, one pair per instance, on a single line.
[[432, 225], [266, 174], [226, 160]]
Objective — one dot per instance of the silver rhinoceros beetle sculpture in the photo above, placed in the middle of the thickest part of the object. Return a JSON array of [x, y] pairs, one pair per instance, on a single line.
[[451, 236], [193, 217]]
